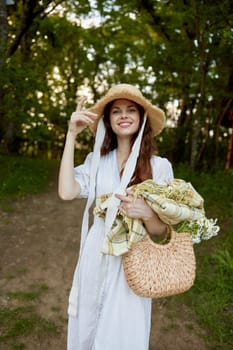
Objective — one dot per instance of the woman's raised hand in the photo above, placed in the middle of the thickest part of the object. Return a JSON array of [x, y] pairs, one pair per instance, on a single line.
[[81, 118]]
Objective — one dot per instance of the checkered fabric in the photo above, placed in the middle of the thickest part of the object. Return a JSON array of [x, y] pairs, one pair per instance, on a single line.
[[174, 202]]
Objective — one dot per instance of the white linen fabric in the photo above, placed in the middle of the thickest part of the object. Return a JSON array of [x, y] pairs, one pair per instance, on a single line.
[[107, 315]]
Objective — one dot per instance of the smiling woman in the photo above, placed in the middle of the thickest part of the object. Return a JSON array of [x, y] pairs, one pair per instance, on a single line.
[[124, 118], [124, 123]]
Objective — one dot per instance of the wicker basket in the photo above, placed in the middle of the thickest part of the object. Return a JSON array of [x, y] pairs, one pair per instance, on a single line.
[[155, 270]]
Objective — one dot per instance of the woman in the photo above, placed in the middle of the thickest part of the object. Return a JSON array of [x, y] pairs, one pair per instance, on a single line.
[[104, 313]]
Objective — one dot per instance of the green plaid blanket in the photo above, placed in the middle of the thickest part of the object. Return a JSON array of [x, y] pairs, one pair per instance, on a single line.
[[174, 202]]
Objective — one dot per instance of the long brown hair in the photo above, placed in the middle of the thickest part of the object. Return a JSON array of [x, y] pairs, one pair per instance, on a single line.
[[143, 170]]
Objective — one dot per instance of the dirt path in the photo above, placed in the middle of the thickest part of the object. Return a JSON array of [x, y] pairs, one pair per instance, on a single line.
[[39, 247]]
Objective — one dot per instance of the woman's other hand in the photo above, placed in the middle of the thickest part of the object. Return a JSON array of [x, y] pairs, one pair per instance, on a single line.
[[139, 209], [134, 208]]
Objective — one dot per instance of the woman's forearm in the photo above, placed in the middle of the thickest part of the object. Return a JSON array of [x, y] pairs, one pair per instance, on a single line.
[[140, 209], [154, 225], [68, 188]]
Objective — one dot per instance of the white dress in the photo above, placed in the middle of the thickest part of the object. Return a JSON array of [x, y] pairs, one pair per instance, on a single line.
[[104, 313]]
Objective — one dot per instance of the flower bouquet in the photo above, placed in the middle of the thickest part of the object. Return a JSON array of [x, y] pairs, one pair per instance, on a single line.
[[200, 229]]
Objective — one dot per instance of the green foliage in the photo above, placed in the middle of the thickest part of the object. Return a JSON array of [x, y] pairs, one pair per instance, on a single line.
[[225, 261], [211, 295], [175, 51], [215, 188], [21, 176]]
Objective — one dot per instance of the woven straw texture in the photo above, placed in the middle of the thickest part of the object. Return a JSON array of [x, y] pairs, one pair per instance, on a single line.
[[126, 91], [155, 270]]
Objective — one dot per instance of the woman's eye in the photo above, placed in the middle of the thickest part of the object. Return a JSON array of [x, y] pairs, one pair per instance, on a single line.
[[132, 110]]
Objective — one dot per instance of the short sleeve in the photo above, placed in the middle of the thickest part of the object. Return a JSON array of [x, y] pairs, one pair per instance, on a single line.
[[162, 170], [82, 176]]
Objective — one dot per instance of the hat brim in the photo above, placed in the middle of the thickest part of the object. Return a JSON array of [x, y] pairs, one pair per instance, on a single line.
[[155, 115]]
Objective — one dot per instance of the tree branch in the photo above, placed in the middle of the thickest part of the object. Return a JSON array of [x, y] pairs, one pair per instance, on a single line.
[[31, 10], [147, 5]]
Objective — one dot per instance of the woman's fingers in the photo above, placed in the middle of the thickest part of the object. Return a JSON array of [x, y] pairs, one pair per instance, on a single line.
[[129, 192], [123, 198], [81, 103], [126, 203], [80, 108], [131, 207], [81, 117]]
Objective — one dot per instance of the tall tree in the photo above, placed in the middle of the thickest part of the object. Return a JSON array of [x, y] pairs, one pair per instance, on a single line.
[[178, 52], [14, 34]]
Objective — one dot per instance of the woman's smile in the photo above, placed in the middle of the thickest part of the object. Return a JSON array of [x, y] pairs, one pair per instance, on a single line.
[[124, 117], [125, 123]]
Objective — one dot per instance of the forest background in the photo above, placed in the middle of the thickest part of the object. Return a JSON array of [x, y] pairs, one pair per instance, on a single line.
[[179, 53]]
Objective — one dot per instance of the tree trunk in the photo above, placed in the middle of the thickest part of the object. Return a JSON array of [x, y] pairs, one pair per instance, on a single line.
[[226, 107], [203, 68], [3, 46], [3, 32], [198, 118]]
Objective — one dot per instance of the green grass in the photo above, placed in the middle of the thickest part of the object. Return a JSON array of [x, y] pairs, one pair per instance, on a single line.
[[215, 187], [211, 296], [34, 294], [21, 322], [20, 176]]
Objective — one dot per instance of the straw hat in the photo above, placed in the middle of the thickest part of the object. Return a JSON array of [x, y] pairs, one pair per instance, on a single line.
[[155, 115]]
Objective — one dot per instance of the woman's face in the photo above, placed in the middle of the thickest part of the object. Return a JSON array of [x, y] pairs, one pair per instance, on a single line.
[[124, 117]]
